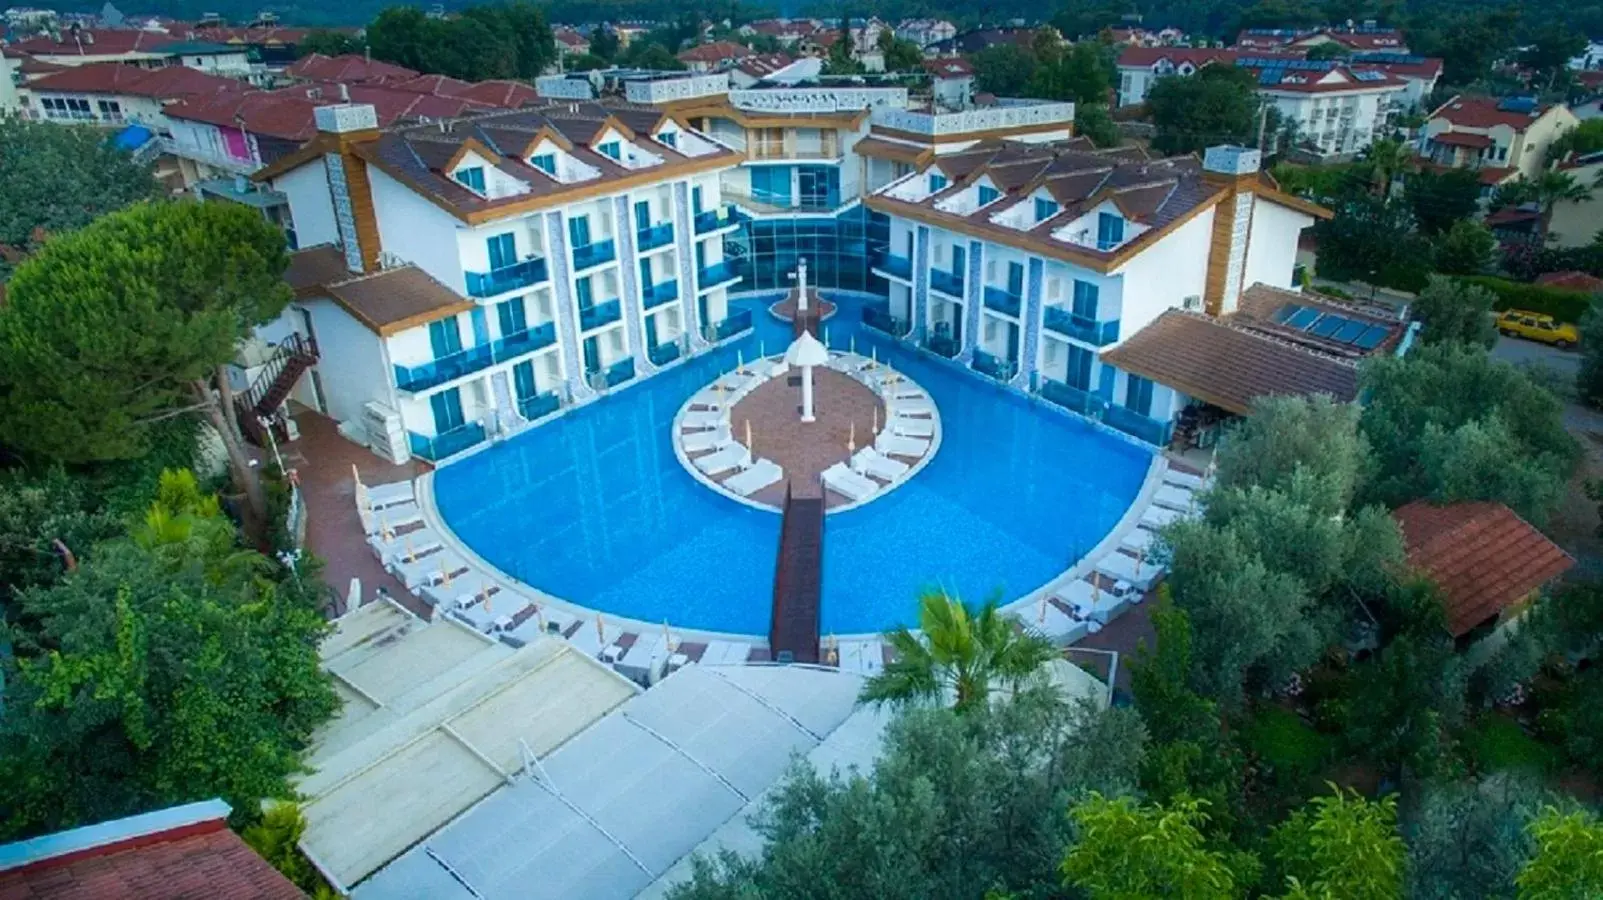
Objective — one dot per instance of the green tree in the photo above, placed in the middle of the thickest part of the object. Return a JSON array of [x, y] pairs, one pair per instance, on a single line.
[[1569, 857], [276, 838], [1291, 438], [1128, 850], [1387, 158], [1553, 187], [1439, 200], [1581, 140], [1342, 846], [1448, 423], [1453, 311], [1218, 105], [604, 42], [1373, 240], [956, 805], [1467, 248], [900, 55], [1092, 120], [165, 669], [959, 654], [1080, 72], [1551, 48], [1412, 692], [36, 201], [329, 43], [1003, 69], [644, 54], [1589, 378], [1329, 50], [1468, 838], [158, 295]]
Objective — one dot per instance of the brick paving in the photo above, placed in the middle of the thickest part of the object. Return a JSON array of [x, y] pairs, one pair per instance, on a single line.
[[786, 308], [841, 405]]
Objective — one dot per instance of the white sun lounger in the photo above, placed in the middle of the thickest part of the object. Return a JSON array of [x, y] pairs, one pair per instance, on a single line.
[[1184, 479], [1055, 625], [702, 441], [1092, 605], [736, 382], [725, 653], [392, 518], [701, 419], [1175, 498], [1137, 539], [901, 445], [863, 657], [395, 493], [1123, 568], [586, 641], [912, 427], [1157, 516], [717, 462], [849, 484], [429, 569], [711, 398], [910, 408], [413, 543], [761, 474], [869, 461], [907, 390]]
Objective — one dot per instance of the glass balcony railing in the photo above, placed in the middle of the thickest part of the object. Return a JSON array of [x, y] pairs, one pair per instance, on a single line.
[[942, 345], [1136, 425], [442, 446], [621, 371], [879, 317], [662, 354], [716, 274], [539, 406], [714, 219], [433, 374], [732, 325], [528, 273], [654, 237], [1072, 398], [1002, 300], [992, 365], [947, 283], [890, 263], [599, 314], [595, 254], [526, 341], [655, 295], [1081, 328]]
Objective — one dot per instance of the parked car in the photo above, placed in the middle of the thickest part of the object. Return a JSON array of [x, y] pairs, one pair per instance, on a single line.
[[1537, 327]]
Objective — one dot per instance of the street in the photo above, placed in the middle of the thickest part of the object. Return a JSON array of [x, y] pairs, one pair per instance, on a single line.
[[1522, 352]]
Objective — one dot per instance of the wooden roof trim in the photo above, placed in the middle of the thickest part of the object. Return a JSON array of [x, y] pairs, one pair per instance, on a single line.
[[315, 148], [471, 145], [545, 133], [612, 122], [1292, 201], [424, 318]]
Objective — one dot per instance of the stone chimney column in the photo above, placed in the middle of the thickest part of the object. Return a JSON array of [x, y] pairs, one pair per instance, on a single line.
[[340, 128], [1235, 169]]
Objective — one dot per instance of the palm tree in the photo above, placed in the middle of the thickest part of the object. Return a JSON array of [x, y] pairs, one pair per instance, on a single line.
[[1554, 187], [958, 653], [1388, 157]]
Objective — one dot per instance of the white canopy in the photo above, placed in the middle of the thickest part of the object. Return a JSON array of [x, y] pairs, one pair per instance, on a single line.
[[807, 351]]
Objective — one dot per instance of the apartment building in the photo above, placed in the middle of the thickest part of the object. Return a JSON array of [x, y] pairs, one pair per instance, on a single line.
[[116, 94], [1366, 38], [1121, 287], [469, 276], [1502, 138]]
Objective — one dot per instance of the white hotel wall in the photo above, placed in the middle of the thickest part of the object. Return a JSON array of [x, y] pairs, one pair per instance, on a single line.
[[352, 364], [473, 247], [1272, 244], [417, 231], [310, 204], [1163, 275]]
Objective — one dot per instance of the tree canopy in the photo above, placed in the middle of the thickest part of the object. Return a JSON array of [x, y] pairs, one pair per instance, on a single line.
[[1218, 105], [1126, 849], [1453, 311], [507, 40]]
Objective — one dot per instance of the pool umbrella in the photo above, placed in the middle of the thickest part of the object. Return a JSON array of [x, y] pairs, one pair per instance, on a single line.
[[601, 630], [539, 616], [748, 436], [851, 438], [807, 352]]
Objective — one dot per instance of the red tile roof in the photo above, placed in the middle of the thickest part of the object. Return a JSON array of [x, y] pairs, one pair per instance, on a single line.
[[288, 113], [715, 52], [765, 64], [1197, 56], [270, 36], [1325, 83], [1482, 556], [1482, 112], [98, 42], [348, 67], [169, 83], [1575, 281], [1463, 139], [952, 67]]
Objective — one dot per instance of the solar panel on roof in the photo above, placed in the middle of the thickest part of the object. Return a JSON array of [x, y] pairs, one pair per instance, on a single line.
[[1302, 318], [1370, 76], [1351, 331], [1328, 325], [1371, 338], [1287, 311], [1517, 104]]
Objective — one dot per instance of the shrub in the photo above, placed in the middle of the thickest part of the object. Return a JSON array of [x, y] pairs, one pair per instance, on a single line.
[[1563, 305], [1497, 743]]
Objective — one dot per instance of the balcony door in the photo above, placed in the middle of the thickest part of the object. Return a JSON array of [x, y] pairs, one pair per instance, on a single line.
[[1079, 371], [447, 409], [579, 231], [1015, 279], [592, 354], [503, 251]]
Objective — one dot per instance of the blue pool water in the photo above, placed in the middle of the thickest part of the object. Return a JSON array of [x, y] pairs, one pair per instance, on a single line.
[[595, 508]]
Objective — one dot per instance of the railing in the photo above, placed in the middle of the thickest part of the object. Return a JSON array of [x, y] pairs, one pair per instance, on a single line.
[[942, 345], [1097, 334], [1002, 300], [621, 371], [654, 237], [828, 150], [716, 274], [509, 278], [288, 349], [445, 445], [1072, 398], [539, 406], [948, 283], [879, 317], [1008, 114], [900, 266], [662, 354], [1136, 425], [599, 314], [594, 254], [714, 219], [769, 203], [526, 341], [731, 325], [465, 362], [994, 366], [657, 294]]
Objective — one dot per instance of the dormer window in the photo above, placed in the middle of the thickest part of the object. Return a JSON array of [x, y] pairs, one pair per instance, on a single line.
[[1109, 231], [937, 183], [1044, 209], [611, 149], [669, 139], [545, 162], [472, 177], [988, 194]]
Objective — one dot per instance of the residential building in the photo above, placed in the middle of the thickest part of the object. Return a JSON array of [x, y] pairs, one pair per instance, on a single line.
[[181, 851], [925, 32], [477, 272], [951, 82], [788, 32], [1141, 37], [975, 41], [1576, 224], [1590, 59], [1503, 139], [349, 68], [1366, 38], [80, 46], [570, 41], [751, 70], [206, 56], [11, 80], [714, 57], [118, 94], [1121, 287], [272, 47]]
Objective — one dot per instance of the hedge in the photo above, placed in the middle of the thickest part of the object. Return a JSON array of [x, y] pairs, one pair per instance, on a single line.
[[1560, 303]]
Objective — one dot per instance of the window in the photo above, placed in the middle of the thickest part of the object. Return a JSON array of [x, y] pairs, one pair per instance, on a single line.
[[937, 183], [444, 337], [110, 109], [447, 407], [512, 316], [1109, 231], [1045, 209], [503, 251], [612, 149], [545, 162], [1015, 279], [1138, 395], [481, 326], [579, 231], [642, 215], [587, 297], [669, 138], [523, 379], [1085, 300], [472, 177], [1079, 371], [695, 200], [645, 274], [988, 194]]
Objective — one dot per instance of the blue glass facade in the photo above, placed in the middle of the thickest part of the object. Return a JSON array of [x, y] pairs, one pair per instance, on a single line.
[[838, 250]]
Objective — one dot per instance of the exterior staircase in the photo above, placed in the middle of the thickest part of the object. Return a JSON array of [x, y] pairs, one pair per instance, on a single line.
[[273, 385]]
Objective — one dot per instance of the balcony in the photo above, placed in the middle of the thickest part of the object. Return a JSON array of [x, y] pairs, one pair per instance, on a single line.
[[592, 255], [446, 368], [442, 446], [1072, 398], [1081, 328], [994, 366], [526, 341], [528, 273], [1003, 301], [731, 325], [539, 406], [655, 295], [948, 283], [898, 266], [599, 314], [654, 237], [714, 219], [1141, 427], [716, 274], [619, 372], [662, 354], [942, 345], [880, 318]]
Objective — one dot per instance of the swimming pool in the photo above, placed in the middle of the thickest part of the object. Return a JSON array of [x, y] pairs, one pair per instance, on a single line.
[[595, 508]]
